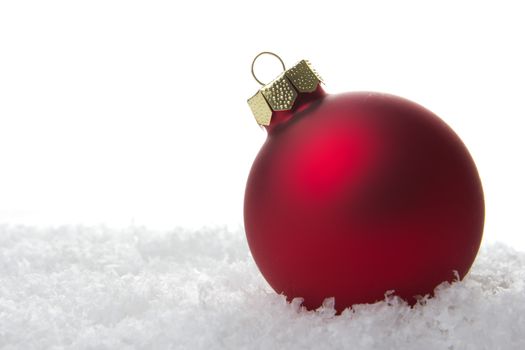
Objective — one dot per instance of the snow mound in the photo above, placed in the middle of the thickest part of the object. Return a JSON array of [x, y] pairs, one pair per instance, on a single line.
[[98, 288]]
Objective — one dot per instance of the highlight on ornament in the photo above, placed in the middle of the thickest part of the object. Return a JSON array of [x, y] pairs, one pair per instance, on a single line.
[[357, 194]]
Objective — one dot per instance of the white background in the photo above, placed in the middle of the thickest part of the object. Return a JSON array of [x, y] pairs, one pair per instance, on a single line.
[[134, 112]]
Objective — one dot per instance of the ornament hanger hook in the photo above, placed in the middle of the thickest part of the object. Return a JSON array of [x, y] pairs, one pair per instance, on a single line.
[[265, 53]]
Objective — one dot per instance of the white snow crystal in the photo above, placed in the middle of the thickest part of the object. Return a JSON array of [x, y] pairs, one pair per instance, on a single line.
[[100, 288]]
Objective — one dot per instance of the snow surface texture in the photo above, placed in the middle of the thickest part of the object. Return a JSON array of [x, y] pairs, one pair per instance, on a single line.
[[97, 288]]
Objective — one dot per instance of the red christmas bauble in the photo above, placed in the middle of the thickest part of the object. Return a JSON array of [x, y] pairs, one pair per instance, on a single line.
[[357, 194]]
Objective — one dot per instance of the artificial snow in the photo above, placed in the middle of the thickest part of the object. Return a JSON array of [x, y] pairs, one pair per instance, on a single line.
[[99, 288]]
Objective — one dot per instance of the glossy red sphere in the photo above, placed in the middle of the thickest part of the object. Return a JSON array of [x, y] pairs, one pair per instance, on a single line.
[[357, 194]]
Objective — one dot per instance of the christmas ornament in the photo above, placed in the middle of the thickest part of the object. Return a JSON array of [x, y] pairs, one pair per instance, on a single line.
[[357, 194]]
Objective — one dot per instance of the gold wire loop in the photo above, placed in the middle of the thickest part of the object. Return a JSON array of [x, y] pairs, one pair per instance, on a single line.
[[265, 53]]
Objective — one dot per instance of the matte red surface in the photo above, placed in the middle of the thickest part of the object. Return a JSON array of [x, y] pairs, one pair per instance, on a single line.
[[356, 194]]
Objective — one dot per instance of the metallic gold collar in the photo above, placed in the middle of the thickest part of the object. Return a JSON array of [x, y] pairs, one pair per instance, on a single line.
[[281, 93]]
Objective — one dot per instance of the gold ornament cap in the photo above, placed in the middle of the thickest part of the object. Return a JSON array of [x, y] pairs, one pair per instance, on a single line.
[[281, 93]]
